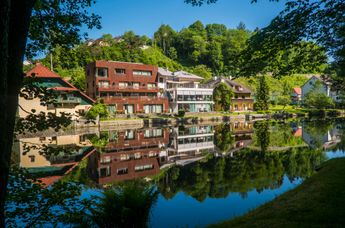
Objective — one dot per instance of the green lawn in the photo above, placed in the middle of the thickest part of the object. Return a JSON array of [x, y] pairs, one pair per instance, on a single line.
[[317, 202]]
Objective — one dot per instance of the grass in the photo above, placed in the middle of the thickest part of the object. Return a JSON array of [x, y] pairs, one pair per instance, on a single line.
[[317, 202]]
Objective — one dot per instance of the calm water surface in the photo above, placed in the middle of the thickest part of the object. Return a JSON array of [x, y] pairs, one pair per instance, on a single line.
[[204, 173]]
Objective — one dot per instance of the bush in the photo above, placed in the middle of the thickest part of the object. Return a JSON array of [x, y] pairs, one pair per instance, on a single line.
[[316, 113], [181, 113], [98, 109], [333, 113]]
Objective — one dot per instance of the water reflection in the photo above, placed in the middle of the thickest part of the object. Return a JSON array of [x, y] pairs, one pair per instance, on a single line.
[[137, 153], [244, 162]]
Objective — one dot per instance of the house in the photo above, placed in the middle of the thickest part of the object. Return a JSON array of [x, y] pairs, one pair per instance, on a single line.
[[69, 99], [296, 95], [242, 99], [326, 88], [135, 154], [125, 87], [185, 91]]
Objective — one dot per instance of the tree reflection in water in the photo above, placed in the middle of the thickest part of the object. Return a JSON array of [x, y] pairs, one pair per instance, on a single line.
[[244, 172]]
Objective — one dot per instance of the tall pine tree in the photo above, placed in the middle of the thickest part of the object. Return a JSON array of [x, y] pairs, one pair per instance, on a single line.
[[262, 95]]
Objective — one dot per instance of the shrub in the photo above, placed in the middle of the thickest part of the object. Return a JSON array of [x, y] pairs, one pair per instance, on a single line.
[[181, 113], [98, 109]]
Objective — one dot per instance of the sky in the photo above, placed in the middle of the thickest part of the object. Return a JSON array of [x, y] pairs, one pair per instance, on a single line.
[[145, 16]]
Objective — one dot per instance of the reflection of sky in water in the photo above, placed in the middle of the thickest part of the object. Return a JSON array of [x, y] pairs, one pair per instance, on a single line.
[[336, 154], [183, 210]]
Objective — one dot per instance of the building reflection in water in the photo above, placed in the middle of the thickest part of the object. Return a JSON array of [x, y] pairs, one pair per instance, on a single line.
[[134, 154], [51, 158], [138, 153]]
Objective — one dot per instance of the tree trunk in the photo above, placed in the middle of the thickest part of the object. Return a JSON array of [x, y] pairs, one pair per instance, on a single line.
[[14, 22]]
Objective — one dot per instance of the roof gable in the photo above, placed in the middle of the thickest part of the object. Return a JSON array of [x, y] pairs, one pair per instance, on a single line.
[[41, 71]]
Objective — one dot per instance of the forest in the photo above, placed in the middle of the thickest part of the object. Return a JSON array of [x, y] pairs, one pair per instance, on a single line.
[[206, 50]]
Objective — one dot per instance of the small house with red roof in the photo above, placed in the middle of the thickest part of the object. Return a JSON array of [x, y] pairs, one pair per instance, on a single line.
[[69, 99], [296, 95]]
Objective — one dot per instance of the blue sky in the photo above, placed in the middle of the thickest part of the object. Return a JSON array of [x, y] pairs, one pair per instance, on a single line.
[[145, 16]]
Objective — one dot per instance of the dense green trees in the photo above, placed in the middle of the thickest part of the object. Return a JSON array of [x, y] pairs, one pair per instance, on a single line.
[[262, 95], [211, 49], [318, 99], [222, 95]]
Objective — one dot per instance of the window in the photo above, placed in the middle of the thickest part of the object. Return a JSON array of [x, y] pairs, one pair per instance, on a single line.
[[123, 84], [124, 157], [161, 80], [102, 72], [142, 72], [120, 71], [122, 171], [152, 154], [105, 159], [105, 172], [143, 168], [129, 134], [137, 155], [32, 158], [103, 84], [151, 85]]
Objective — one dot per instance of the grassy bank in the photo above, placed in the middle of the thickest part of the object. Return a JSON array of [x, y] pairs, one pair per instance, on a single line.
[[317, 202]]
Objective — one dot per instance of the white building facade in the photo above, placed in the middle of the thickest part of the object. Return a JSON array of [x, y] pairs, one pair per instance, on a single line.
[[325, 87], [185, 92]]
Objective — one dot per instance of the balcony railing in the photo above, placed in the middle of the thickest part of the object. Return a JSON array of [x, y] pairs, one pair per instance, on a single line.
[[134, 98], [103, 87], [68, 100]]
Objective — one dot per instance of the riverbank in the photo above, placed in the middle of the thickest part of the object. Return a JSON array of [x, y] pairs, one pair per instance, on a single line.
[[317, 202]]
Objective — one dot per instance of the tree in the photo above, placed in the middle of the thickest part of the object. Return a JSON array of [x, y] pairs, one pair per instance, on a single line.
[[262, 95], [203, 71], [165, 37], [98, 109], [283, 100], [222, 97], [27, 27], [317, 98]]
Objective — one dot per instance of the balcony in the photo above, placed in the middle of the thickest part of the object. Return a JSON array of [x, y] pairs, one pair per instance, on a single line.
[[250, 99], [134, 99], [68, 100], [127, 89]]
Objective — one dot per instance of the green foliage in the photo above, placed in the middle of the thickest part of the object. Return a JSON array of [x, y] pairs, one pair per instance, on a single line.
[[262, 95], [223, 138], [244, 172], [101, 141], [262, 133], [318, 99], [203, 71], [222, 95], [284, 100], [181, 113], [36, 206], [127, 205], [98, 109]]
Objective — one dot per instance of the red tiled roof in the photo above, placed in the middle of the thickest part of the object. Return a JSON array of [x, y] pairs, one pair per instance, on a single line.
[[41, 71], [298, 133], [297, 90]]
